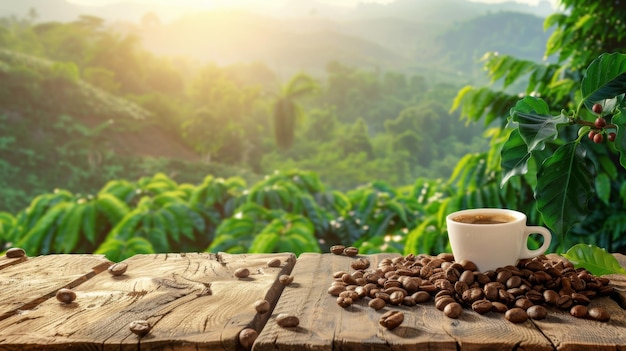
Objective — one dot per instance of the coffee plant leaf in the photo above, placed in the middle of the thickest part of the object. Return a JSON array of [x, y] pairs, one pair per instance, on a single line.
[[595, 259], [605, 78], [603, 187], [514, 157], [264, 242], [535, 124], [620, 139], [564, 187]]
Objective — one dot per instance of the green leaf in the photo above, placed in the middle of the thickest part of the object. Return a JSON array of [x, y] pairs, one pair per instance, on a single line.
[[605, 78], [594, 259], [514, 157], [620, 139], [536, 126], [564, 187], [603, 187]]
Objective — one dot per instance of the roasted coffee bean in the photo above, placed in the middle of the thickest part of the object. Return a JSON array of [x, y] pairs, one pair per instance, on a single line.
[[66, 295], [15, 252], [599, 314], [247, 336], [351, 294], [397, 297], [337, 249], [564, 302], [460, 287], [285, 279], [118, 269], [514, 282], [377, 303], [580, 299], [442, 302], [482, 306], [499, 307], [360, 263], [503, 276], [274, 262], [140, 327], [535, 297], [523, 303], [505, 297], [348, 279], [391, 319], [491, 293], [421, 296], [453, 310], [551, 296], [468, 265], [472, 295], [481, 278], [537, 312], [242, 272], [351, 251], [578, 311], [452, 275], [467, 277], [409, 301], [516, 315], [344, 301], [287, 320], [262, 306]]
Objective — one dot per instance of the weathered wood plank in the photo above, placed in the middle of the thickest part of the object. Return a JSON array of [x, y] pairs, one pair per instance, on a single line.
[[618, 281], [25, 285], [326, 326], [192, 300], [8, 262]]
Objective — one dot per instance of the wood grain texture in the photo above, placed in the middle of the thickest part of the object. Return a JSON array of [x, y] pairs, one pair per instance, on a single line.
[[8, 262], [24, 286], [193, 301]]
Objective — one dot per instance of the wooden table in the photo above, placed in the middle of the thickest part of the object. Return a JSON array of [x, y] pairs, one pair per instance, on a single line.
[[195, 302]]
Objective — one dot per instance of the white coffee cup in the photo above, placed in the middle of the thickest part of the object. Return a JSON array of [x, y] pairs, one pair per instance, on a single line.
[[492, 237]]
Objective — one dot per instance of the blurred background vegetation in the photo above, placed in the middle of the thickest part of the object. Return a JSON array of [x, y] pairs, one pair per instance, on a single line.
[[189, 134]]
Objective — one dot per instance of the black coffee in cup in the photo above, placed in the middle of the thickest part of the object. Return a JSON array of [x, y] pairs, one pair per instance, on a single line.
[[484, 218]]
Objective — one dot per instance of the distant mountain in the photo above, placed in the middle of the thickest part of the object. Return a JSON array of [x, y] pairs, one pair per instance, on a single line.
[[439, 37]]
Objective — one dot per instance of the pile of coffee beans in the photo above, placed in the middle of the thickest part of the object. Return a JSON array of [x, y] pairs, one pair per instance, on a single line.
[[520, 292]]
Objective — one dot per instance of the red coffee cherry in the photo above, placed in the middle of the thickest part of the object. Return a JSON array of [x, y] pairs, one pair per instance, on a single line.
[[597, 109], [600, 122], [611, 136], [592, 133], [598, 138]]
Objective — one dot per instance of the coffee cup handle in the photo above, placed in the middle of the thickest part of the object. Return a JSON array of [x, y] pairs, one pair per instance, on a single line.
[[547, 239]]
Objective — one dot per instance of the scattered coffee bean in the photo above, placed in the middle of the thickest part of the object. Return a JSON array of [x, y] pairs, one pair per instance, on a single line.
[[274, 262], [285, 279], [242, 272], [262, 306], [15, 252], [578, 311], [453, 310], [537, 312], [66, 295], [599, 314], [247, 336], [516, 315], [335, 290], [337, 249], [344, 301], [140, 327], [377, 303], [287, 320], [360, 263], [118, 269], [482, 306], [499, 307], [351, 251], [391, 319]]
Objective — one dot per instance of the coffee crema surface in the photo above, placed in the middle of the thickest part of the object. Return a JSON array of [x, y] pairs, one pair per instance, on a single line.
[[484, 218]]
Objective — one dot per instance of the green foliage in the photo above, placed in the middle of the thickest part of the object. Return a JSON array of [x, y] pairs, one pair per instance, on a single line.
[[594, 259]]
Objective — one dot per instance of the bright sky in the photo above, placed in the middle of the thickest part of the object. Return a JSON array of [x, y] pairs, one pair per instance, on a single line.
[[230, 3]]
